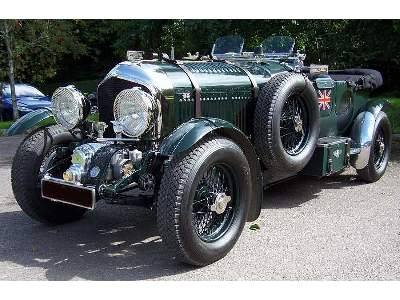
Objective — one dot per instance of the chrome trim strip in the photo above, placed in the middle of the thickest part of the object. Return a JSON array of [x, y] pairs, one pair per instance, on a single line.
[[102, 140], [63, 182]]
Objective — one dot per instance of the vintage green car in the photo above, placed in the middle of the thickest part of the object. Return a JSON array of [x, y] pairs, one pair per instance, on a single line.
[[199, 140]]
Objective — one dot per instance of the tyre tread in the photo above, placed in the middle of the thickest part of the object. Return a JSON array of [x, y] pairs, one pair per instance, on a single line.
[[170, 197]]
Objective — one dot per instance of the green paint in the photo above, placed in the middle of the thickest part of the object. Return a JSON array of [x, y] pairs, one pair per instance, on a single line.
[[189, 133], [393, 113], [31, 120], [330, 157]]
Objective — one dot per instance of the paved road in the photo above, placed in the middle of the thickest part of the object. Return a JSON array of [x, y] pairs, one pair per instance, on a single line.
[[334, 228]]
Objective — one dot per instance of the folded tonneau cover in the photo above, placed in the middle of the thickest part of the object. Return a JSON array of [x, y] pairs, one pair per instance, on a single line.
[[365, 78]]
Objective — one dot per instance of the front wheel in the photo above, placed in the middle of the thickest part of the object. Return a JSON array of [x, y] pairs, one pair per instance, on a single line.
[[203, 201], [36, 156], [380, 150]]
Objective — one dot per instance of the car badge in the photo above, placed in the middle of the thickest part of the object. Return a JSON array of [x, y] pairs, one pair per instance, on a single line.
[[337, 153]]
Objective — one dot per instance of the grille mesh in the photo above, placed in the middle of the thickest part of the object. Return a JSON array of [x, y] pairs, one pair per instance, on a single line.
[[213, 68], [106, 94]]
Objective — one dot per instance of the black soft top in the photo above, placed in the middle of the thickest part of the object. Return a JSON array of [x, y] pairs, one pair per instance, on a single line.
[[365, 78]]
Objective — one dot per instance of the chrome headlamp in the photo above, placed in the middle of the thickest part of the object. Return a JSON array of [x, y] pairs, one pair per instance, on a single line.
[[133, 110], [69, 106]]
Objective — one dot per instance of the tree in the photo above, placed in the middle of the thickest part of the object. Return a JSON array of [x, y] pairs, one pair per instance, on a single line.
[[34, 49], [7, 34], [97, 45]]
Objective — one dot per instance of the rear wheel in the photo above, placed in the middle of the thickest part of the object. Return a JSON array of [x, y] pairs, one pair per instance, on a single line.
[[36, 156], [380, 150], [203, 201]]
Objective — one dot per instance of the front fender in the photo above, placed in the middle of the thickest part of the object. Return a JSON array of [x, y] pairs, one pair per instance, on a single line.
[[362, 132], [191, 132], [30, 120], [188, 134]]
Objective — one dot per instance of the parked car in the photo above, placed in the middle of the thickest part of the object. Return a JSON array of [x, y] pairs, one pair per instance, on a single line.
[[29, 99], [198, 141]]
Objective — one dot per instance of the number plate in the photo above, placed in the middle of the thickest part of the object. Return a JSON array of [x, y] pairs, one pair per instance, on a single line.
[[60, 191]]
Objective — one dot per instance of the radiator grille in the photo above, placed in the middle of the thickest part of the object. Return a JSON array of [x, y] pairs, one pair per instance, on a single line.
[[106, 94]]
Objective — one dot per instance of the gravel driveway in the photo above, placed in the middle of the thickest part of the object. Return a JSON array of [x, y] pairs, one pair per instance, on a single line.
[[333, 228]]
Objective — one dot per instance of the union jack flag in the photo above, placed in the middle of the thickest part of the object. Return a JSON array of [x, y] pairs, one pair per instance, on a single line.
[[324, 99]]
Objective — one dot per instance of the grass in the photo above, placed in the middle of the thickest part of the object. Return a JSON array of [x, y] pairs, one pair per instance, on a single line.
[[93, 117], [394, 113], [6, 124]]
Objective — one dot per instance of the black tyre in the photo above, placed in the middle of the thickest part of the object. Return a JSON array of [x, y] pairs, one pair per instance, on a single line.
[[203, 201], [380, 150], [35, 155], [286, 123]]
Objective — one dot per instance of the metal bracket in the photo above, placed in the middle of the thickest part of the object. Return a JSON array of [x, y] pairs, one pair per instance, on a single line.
[[197, 89], [254, 85], [347, 157], [330, 160]]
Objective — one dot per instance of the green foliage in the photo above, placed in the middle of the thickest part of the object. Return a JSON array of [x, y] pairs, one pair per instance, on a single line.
[[394, 114], [73, 50], [254, 226], [85, 86], [93, 117], [39, 46], [6, 124]]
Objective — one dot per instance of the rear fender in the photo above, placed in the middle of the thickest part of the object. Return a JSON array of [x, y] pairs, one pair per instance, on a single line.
[[362, 132], [191, 132], [29, 121]]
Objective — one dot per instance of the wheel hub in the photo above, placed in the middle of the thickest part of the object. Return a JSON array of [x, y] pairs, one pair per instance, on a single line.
[[381, 148], [220, 203], [298, 124]]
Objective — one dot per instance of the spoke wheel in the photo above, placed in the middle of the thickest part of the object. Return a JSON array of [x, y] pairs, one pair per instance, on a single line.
[[294, 125], [35, 157], [286, 125], [203, 201], [379, 149], [214, 203]]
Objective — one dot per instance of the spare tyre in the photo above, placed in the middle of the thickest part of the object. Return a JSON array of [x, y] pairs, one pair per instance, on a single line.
[[286, 123]]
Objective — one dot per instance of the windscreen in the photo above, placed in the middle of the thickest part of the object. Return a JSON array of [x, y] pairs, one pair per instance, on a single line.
[[278, 45], [228, 45]]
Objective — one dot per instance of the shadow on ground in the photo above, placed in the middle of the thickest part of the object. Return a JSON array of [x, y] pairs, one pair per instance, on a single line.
[[119, 243], [112, 243], [303, 189], [122, 243]]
